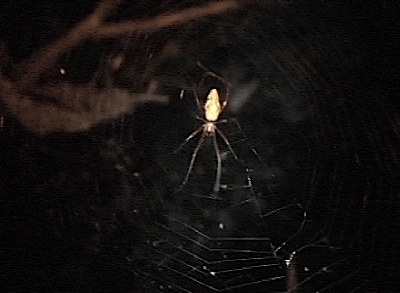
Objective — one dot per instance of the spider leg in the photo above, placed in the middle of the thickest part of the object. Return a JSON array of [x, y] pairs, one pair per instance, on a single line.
[[228, 94], [211, 73], [198, 102], [217, 183], [194, 133], [201, 119], [194, 155], [228, 144], [221, 121]]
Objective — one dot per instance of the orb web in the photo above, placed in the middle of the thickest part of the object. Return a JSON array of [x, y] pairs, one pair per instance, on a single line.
[[313, 206]]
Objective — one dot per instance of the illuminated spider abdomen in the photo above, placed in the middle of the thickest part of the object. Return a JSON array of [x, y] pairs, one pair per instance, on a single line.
[[213, 107]]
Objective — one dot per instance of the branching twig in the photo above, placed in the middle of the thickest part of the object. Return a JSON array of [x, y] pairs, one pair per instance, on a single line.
[[82, 108], [47, 56], [165, 20], [78, 108], [93, 27]]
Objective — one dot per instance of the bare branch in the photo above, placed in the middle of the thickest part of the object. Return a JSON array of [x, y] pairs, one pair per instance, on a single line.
[[165, 20], [46, 57], [93, 27], [82, 109], [70, 108], [104, 9]]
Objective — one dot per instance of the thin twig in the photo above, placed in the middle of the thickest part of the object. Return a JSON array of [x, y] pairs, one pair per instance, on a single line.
[[93, 27], [47, 56], [165, 20], [83, 107], [74, 108]]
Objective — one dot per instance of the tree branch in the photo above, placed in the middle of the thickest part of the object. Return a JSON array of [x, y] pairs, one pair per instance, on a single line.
[[165, 20], [82, 107], [93, 27], [73, 108], [46, 57]]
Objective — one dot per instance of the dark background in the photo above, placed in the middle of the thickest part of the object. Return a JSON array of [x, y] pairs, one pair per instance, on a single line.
[[99, 211]]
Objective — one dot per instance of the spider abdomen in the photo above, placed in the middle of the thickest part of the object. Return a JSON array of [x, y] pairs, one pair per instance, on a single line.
[[213, 106]]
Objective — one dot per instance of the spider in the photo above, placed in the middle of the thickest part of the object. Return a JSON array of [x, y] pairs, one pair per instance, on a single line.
[[212, 110]]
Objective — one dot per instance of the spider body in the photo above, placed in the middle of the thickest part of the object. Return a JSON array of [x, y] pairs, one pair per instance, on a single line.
[[213, 107], [212, 110]]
